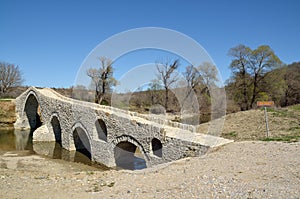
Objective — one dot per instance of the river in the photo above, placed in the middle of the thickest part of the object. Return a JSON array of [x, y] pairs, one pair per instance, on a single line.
[[16, 140]]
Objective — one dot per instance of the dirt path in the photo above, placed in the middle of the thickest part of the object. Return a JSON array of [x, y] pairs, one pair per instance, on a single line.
[[237, 170]]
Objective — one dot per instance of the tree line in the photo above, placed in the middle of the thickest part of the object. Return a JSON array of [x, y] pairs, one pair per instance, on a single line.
[[257, 74], [160, 90]]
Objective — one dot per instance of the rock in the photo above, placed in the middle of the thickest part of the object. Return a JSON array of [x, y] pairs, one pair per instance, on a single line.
[[42, 134]]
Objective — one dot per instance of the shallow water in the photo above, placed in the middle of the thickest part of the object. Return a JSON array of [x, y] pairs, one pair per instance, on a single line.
[[17, 140], [13, 140]]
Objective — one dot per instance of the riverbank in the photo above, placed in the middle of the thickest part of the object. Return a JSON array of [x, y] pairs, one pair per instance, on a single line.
[[250, 169], [244, 169], [7, 114]]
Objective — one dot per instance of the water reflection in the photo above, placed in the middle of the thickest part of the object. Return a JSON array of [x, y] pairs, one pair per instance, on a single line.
[[17, 140], [55, 151], [139, 161], [129, 160], [22, 141], [12, 140]]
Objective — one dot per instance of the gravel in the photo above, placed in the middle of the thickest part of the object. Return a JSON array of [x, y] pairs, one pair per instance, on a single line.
[[248, 169]]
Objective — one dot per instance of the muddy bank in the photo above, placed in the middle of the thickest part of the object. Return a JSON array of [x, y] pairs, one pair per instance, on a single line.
[[7, 114]]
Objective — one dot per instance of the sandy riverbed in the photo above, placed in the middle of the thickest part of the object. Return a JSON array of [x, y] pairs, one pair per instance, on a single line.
[[237, 170]]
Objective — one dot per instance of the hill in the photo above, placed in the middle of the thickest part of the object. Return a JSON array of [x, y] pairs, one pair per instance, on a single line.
[[284, 125]]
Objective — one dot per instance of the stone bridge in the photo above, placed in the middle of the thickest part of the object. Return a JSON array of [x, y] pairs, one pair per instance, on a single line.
[[107, 135]]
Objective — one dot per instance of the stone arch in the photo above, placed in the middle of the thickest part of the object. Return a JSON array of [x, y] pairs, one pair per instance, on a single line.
[[156, 147], [125, 153], [101, 129], [82, 141], [32, 111], [56, 128]]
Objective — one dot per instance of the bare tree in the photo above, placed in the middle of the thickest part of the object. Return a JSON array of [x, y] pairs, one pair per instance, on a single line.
[[203, 77], [168, 76], [192, 80], [154, 89], [208, 73], [192, 77], [102, 78], [10, 76], [198, 80]]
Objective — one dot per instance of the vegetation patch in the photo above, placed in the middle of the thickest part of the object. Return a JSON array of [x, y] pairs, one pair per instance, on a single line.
[[6, 99], [296, 107], [278, 112], [231, 135], [288, 139], [295, 137]]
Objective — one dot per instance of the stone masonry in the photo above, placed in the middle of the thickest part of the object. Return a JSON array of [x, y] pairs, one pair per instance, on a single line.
[[100, 130]]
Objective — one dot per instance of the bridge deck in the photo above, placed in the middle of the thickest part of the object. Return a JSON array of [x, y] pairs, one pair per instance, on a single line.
[[171, 132], [197, 138]]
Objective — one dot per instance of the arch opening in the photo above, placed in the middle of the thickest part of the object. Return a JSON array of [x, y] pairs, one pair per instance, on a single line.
[[81, 141], [32, 111], [128, 156], [156, 147], [101, 130], [56, 129]]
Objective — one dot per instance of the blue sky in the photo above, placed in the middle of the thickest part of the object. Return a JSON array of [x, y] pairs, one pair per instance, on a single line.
[[49, 40]]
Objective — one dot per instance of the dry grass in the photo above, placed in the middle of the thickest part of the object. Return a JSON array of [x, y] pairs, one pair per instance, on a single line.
[[284, 125], [7, 113]]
